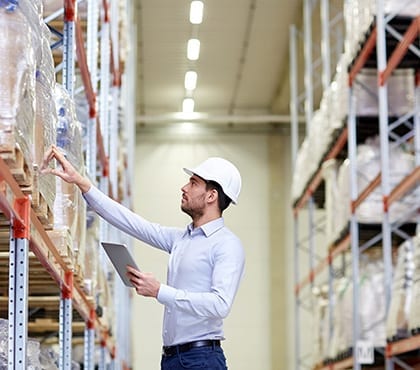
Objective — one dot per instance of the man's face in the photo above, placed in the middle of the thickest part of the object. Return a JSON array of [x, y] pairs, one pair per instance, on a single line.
[[193, 197]]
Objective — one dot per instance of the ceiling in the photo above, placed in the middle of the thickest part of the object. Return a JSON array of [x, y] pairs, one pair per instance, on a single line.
[[243, 68]]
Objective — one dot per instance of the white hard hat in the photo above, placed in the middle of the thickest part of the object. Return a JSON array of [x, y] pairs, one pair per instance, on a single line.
[[221, 171]]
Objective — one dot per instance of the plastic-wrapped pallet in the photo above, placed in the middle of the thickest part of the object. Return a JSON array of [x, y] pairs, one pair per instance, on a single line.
[[321, 326], [46, 116], [4, 342], [372, 297], [332, 200], [402, 286], [69, 205], [17, 76], [91, 260], [342, 315], [401, 92], [312, 150], [359, 14], [368, 166], [336, 95], [371, 306], [414, 313]]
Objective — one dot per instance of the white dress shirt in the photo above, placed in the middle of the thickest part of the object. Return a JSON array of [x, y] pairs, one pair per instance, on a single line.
[[205, 267]]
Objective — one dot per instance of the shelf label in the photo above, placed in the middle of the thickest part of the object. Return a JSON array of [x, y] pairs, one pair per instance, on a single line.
[[365, 352]]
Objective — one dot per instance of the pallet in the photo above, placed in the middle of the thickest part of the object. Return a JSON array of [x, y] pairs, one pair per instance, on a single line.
[[44, 213], [21, 171], [42, 209], [63, 242]]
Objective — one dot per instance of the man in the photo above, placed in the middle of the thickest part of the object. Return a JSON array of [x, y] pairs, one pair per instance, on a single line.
[[206, 260]]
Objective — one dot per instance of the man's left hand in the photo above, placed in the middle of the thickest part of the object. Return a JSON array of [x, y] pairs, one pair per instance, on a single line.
[[144, 282]]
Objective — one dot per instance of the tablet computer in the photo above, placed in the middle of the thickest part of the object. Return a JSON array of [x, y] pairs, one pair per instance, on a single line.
[[120, 257]]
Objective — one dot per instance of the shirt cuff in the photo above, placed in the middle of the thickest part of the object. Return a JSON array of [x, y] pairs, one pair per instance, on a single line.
[[90, 194], [166, 295]]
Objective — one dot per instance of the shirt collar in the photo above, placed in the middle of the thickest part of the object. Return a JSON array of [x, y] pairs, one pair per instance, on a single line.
[[209, 228]]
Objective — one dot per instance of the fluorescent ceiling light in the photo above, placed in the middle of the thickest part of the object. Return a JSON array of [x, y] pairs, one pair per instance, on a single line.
[[190, 82], [196, 12], [188, 105], [193, 49]]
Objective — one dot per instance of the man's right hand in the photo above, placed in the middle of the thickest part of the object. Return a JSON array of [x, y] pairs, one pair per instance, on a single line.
[[66, 171]]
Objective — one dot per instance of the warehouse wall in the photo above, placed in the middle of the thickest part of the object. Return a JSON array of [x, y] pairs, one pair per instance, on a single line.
[[256, 327]]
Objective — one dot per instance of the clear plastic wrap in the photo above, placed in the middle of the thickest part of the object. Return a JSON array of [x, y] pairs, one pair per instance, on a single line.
[[4, 342], [332, 200], [32, 352], [49, 359], [371, 306], [91, 261], [321, 324], [368, 166], [402, 290], [313, 149], [342, 315], [359, 15], [400, 88], [46, 116], [414, 311], [69, 205], [17, 90]]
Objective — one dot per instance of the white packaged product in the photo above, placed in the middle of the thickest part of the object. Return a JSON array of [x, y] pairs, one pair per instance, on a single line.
[[312, 151], [368, 167], [402, 286], [400, 88], [414, 312], [332, 200], [359, 15]]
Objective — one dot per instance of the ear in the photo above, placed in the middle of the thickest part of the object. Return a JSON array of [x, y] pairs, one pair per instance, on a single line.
[[212, 196]]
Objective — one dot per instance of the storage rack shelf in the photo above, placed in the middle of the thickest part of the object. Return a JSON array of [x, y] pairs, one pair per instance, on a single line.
[[401, 35], [45, 295]]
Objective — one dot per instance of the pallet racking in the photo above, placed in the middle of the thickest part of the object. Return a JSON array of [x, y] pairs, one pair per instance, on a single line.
[[390, 43], [26, 249]]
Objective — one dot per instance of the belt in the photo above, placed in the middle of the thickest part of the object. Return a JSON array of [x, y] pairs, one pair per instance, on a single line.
[[179, 348]]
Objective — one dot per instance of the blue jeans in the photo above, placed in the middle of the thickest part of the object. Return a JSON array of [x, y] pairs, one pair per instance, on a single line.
[[204, 358]]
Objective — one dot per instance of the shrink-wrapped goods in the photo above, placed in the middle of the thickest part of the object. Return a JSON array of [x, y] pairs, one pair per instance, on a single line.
[[359, 15], [368, 167], [4, 342], [342, 315], [330, 175], [402, 290], [371, 306], [46, 116], [69, 205], [400, 88], [334, 108], [17, 89], [414, 310], [321, 325], [312, 151], [91, 260]]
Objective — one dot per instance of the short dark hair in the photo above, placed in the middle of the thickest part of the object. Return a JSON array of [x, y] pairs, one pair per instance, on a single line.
[[223, 199]]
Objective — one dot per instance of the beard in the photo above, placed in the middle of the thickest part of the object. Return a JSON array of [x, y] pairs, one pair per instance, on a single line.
[[194, 209]]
